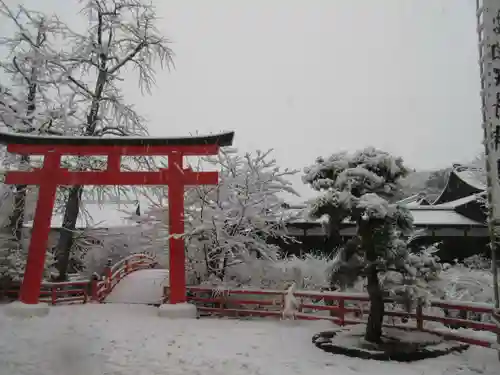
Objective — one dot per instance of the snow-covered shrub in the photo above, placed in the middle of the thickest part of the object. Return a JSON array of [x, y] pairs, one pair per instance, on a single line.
[[477, 262], [461, 283], [13, 257], [309, 272], [115, 244]]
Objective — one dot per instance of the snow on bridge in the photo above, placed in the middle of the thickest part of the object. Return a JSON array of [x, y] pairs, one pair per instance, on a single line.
[[140, 287]]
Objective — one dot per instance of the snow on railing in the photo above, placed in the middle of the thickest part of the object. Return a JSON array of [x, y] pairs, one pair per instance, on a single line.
[[67, 292], [342, 309], [496, 317], [114, 274]]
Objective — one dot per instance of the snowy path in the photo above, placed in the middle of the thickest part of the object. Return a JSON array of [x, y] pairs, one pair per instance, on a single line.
[[131, 340], [144, 287]]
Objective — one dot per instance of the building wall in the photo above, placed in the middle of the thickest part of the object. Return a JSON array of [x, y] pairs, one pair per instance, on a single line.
[[454, 243]]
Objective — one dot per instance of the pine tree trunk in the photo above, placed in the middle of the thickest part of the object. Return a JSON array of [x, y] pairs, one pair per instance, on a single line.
[[367, 231], [376, 317], [334, 239], [65, 243]]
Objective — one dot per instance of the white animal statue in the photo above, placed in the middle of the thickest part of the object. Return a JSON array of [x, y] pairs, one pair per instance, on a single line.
[[291, 304]]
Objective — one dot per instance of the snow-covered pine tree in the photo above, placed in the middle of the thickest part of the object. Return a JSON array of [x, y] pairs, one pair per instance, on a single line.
[[357, 187]]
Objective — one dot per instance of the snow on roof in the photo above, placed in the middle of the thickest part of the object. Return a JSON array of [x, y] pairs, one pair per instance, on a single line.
[[412, 201], [471, 177], [427, 216], [460, 202], [99, 216], [440, 216]]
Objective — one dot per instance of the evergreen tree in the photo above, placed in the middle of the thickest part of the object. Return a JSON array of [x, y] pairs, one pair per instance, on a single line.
[[358, 187]]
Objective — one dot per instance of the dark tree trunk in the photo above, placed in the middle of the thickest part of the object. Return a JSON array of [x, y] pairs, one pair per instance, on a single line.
[[65, 243], [17, 219], [376, 317], [72, 208], [367, 231], [334, 239]]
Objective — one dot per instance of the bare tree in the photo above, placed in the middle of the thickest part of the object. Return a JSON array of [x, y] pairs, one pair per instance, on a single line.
[[121, 35]]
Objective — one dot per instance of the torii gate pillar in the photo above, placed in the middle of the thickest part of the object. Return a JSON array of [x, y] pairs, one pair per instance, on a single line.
[[51, 175]]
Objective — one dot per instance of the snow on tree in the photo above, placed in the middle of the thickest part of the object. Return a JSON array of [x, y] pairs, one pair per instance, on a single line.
[[27, 92], [13, 256], [28, 104], [236, 221], [73, 88], [358, 187], [28, 100], [112, 245], [121, 35]]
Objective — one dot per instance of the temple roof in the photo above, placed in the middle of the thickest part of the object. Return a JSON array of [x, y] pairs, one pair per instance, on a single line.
[[462, 182]]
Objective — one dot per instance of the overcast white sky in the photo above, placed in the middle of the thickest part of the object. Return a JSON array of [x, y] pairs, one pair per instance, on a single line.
[[312, 77]]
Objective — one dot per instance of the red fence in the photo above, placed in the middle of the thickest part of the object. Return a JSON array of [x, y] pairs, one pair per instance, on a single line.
[[344, 309], [57, 292], [340, 308], [65, 292]]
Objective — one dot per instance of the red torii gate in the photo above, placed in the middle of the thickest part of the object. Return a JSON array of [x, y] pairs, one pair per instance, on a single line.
[[51, 175]]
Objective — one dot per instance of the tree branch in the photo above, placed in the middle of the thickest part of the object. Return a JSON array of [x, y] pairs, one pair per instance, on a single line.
[[128, 58], [81, 86]]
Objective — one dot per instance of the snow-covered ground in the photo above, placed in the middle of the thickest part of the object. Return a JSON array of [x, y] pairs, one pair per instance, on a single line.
[[120, 339]]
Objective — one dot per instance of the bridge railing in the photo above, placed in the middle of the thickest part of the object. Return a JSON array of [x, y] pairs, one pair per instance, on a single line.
[[83, 291], [347, 308], [115, 273]]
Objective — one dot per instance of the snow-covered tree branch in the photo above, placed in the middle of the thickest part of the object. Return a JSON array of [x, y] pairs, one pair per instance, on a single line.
[[121, 35], [237, 220], [28, 95]]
